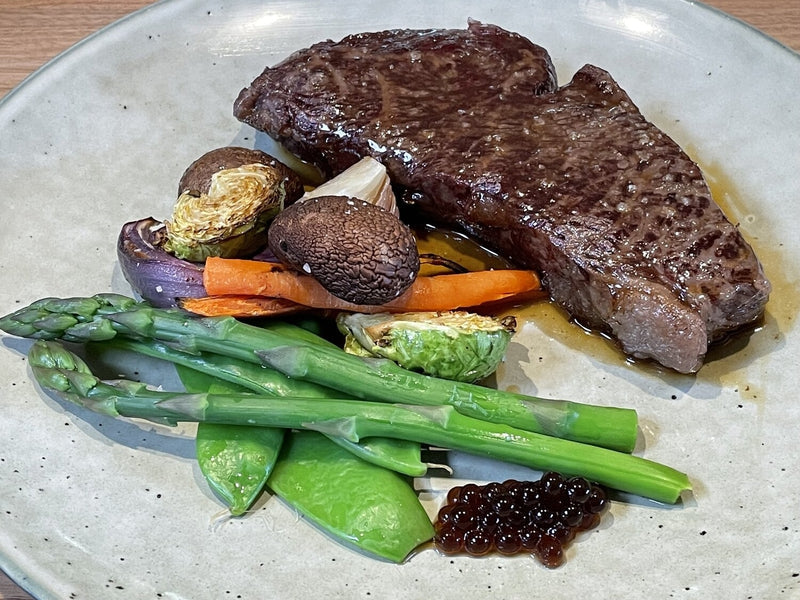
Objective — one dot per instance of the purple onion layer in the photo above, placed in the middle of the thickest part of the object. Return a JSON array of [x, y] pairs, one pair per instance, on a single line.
[[154, 274]]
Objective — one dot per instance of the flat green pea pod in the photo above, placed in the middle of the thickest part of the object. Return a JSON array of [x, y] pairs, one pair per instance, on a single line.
[[360, 504], [398, 455], [236, 460]]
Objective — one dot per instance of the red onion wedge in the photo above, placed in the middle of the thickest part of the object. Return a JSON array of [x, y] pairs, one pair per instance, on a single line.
[[153, 273]]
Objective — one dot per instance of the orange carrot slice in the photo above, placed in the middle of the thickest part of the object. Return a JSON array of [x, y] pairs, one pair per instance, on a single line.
[[241, 306], [238, 277]]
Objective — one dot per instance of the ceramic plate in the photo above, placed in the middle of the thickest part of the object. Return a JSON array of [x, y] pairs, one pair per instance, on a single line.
[[96, 508]]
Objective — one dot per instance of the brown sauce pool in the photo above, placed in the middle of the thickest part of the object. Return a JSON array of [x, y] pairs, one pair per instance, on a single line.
[[456, 247], [727, 362]]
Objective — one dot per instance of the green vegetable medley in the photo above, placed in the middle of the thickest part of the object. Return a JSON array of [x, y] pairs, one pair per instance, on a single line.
[[281, 408]]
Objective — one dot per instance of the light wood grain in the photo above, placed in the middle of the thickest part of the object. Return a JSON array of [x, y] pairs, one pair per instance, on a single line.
[[34, 31]]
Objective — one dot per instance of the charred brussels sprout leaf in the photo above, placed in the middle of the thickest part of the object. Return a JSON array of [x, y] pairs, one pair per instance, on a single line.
[[461, 346], [231, 220]]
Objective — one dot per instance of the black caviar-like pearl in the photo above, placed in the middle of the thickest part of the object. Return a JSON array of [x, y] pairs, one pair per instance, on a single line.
[[596, 501], [552, 483], [578, 489], [549, 551], [507, 540], [540, 517], [477, 541], [529, 537], [462, 517], [470, 494], [503, 505], [453, 494], [449, 540]]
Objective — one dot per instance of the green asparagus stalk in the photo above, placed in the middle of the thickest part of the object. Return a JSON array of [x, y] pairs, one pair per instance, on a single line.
[[382, 380], [397, 455], [106, 315], [252, 376], [58, 370]]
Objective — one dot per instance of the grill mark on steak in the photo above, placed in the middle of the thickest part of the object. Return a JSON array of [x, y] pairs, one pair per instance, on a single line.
[[571, 181]]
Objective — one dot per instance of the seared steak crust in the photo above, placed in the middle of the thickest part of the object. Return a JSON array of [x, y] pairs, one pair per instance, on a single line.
[[572, 181]]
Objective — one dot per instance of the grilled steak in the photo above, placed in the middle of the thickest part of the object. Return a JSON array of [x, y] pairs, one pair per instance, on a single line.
[[571, 181]]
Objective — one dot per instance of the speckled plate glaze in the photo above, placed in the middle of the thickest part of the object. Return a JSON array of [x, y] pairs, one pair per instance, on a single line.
[[95, 508]]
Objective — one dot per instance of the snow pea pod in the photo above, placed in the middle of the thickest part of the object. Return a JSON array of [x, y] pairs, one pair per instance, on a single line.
[[402, 456], [362, 505], [235, 460]]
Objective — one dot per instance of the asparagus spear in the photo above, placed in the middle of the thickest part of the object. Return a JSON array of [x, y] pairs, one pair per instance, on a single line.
[[382, 380], [398, 455], [59, 370], [104, 316], [254, 377]]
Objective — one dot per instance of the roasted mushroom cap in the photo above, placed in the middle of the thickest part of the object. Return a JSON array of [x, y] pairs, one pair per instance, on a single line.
[[358, 251], [196, 179]]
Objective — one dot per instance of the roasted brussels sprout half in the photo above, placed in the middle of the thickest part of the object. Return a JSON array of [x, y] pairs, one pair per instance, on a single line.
[[231, 219], [455, 345], [196, 179]]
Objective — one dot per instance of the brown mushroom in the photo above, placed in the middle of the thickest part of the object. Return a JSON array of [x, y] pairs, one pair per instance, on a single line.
[[358, 251], [196, 179]]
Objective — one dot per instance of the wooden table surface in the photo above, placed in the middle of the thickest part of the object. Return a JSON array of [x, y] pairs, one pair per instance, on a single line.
[[34, 31]]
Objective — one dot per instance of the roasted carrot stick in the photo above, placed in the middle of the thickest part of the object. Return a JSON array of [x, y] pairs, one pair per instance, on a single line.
[[241, 306], [224, 276]]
